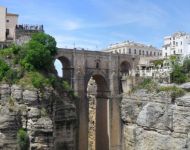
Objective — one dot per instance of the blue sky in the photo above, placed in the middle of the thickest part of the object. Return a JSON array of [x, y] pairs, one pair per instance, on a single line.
[[94, 24]]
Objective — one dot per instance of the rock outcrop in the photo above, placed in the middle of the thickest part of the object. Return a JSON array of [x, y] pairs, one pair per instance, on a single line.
[[49, 118], [154, 121]]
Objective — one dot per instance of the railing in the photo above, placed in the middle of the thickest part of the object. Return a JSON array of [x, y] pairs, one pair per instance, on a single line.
[[30, 27]]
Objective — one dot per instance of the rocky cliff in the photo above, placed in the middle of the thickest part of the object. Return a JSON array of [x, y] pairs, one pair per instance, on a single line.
[[48, 117], [153, 121]]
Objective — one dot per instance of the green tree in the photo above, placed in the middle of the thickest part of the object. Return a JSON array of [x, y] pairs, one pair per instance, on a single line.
[[39, 52], [47, 41], [158, 63]]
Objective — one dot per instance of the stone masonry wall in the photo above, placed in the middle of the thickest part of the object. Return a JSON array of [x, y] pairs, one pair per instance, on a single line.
[[38, 113], [152, 121]]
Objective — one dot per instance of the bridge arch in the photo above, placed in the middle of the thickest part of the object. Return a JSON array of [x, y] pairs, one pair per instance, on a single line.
[[67, 71], [101, 81], [106, 68], [125, 67], [100, 105]]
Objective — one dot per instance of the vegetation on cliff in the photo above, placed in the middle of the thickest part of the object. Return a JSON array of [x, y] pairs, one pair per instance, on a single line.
[[32, 64], [23, 139], [180, 70], [152, 86]]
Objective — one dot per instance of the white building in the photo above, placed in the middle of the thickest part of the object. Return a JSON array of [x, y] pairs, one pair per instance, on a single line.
[[147, 53], [176, 44], [133, 48]]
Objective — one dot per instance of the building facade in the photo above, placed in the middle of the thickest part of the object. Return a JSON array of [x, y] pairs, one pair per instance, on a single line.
[[133, 48], [8, 22], [176, 44], [11, 31], [147, 53]]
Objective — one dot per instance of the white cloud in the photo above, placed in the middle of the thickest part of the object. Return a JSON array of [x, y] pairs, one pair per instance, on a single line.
[[71, 25]]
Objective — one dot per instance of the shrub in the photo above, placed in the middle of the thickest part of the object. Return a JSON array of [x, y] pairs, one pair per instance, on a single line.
[[186, 65], [173, 90], [158, 63], [3, 69], [35, 79], [13, 52], [11, 76], [178, 76], [22, 139], [148, 84], [66, 86], [38, 80]]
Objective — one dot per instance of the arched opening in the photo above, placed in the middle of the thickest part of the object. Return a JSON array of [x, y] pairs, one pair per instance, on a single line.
[[58, 67], [125, 67], [97, 94], [63, 67], [125, 82]]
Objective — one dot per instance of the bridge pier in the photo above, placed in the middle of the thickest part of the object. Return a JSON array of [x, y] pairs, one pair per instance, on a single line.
[[83, 115], [115, 123], [102, 130]]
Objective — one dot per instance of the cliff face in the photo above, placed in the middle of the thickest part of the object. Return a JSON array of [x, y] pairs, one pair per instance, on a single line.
[[154, 121], [49, 118]]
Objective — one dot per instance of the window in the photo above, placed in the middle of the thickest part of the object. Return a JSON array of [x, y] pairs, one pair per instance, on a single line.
[[154, 53], [7, 32], [135, 51], [166, 54], [150, 53], [174, 52], [176, 43], [139, 52], [129, 51], [7, 20], [146, 53], [97, 65], [143, 53], [181, 42], [124, 51], [173, 42]]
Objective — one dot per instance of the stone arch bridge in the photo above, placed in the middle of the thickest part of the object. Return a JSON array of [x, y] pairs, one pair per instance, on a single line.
[[106, 69]]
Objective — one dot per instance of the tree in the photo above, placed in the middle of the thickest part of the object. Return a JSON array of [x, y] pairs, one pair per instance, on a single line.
[[39, 52], [46, 40]]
